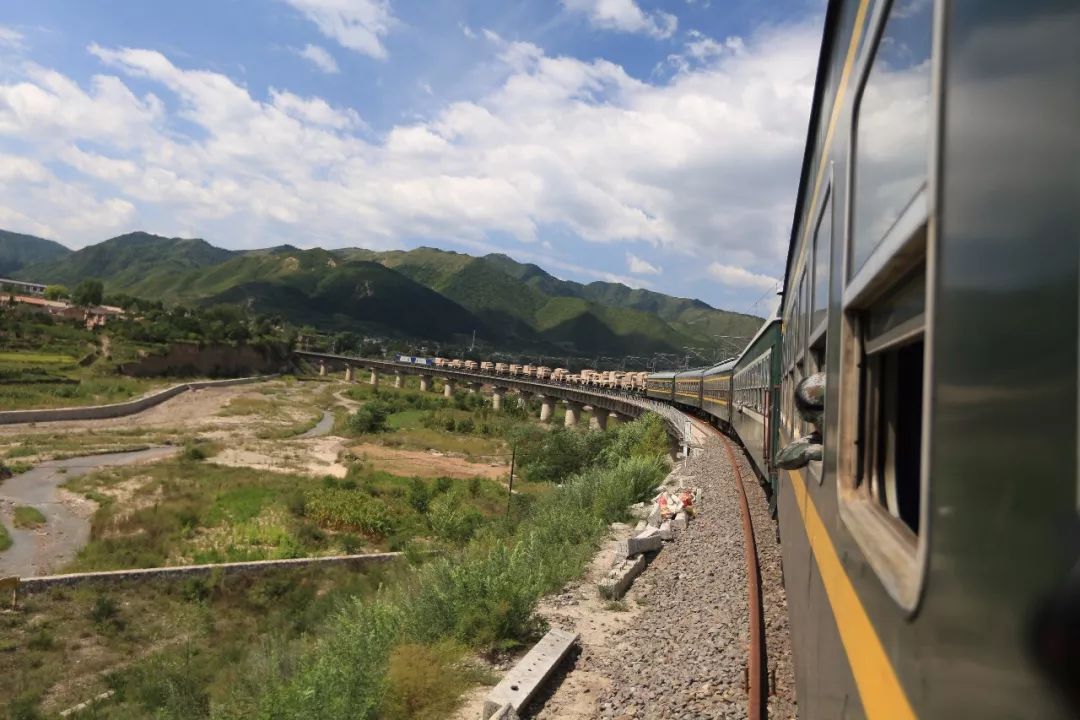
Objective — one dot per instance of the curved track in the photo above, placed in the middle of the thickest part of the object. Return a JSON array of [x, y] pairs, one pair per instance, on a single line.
[[757, 686]]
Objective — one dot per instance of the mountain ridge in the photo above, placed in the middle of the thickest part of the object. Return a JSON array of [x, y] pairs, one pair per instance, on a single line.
[[424, 293]]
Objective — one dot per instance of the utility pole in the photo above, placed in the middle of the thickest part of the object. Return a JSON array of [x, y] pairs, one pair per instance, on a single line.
[[510, 490]]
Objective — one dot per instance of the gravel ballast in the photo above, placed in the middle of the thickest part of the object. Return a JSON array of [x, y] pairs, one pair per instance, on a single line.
[[678, 647]]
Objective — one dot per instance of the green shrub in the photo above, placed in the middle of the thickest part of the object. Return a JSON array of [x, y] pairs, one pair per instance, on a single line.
[[369, 418], [452, 519], [194, 452], [349, 510], [418, 495]]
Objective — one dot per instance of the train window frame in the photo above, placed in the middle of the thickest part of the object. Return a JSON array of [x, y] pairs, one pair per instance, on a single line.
[[817, 331], [898, 555]]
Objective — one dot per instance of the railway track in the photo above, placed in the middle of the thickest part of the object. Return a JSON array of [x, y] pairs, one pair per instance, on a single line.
[[756, 681]]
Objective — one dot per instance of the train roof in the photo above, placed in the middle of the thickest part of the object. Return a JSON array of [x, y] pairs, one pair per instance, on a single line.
[[663, 375], [692, 372], [832, 18], [757, 336], [725, 366]]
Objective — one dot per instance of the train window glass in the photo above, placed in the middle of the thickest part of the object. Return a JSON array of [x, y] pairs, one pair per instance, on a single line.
[[892, 135], [886, 297], [892, 392], [822, 250]]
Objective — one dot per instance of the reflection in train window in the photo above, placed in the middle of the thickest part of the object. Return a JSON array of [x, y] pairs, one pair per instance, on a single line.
[[884, 323], [822, 250], [893, 129]]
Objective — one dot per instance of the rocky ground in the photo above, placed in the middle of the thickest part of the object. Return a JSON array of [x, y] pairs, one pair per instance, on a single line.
[[676, 647]]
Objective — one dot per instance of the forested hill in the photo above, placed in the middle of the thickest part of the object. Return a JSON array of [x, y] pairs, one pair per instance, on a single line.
[[423, 293], [18, 250]]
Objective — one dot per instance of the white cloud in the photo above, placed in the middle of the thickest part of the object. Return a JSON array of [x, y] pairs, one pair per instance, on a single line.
[[703, 165], [320, 58], [624, 16], [700, 49], [356, 24], [740, 277], [315, 111], [10, 38], [639, 266]]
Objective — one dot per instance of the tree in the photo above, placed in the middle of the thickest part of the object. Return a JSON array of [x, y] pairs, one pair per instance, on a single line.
[[57, 292], [88, 292]]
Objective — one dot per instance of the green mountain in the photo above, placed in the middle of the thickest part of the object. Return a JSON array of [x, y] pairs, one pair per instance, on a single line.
[[423, 293], [137, 263], [18, 250]]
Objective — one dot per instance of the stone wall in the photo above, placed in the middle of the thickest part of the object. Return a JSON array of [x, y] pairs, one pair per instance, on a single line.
[[130, 407], [182, 572]]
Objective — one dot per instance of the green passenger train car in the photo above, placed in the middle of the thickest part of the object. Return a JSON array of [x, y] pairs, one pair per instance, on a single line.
[[755, 415], [930, 527]]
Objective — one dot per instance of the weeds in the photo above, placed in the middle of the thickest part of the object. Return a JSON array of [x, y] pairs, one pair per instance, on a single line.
[[365, 663], [25, 516]]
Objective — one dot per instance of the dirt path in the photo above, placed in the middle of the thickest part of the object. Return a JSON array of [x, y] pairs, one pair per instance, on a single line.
[[43, 550], [426, 463]]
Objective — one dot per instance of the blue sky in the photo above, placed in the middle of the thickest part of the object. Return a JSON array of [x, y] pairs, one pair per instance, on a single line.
[[653, 143]]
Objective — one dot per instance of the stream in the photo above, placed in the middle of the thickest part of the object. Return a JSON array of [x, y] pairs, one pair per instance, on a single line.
[[46, 549]]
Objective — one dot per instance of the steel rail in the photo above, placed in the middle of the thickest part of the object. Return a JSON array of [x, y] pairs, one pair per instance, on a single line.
[[757, 683]]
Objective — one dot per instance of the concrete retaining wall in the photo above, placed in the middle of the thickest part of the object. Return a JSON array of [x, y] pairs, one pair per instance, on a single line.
[[130, 407], [183, 572]]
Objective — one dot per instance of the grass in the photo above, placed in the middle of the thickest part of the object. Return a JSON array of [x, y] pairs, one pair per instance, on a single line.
[[167, 650], [261, 406], [71, 389], [25, 516], [483, 598], [32, 358], [192, 511], [5, 538]]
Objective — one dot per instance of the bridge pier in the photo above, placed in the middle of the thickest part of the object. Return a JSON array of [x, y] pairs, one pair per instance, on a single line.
[[397, 378], [573, 413], [322, 367], [374, 377], [348, 373], [547, 407], [599, 419], [497, 397], [425, 383], [448, 388]]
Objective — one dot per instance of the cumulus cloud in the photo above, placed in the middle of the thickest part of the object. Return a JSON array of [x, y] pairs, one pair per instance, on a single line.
[[702, 165], [320, 58], [358, 25], [738, 277], [639, 266], [624, 16]]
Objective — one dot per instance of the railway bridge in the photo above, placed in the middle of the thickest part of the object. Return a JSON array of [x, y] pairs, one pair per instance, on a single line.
[[602, 405]]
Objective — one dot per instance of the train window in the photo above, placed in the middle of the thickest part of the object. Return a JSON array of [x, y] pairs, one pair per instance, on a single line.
[[892, 389], [892, 134], [822, 251], [884, 329]]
